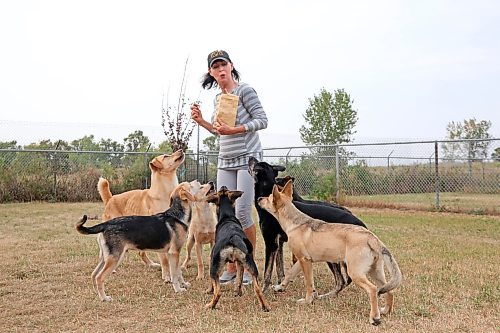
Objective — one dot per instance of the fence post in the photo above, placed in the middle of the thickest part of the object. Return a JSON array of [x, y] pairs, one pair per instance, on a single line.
[[337, 174], [436, 163], [55, 167], [146, 167]]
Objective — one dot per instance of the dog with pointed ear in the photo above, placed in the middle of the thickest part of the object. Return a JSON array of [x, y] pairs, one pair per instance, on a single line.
[[231, 245], [164, 233], [314, 240], [150, 201]]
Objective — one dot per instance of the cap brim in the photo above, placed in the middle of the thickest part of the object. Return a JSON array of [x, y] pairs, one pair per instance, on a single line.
[[218, 58]]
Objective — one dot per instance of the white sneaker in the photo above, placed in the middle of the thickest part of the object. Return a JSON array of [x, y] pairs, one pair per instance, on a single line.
[[227, 277], [247, 278]]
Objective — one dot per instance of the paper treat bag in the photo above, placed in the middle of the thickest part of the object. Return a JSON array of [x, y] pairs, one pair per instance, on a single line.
[[225, 111]]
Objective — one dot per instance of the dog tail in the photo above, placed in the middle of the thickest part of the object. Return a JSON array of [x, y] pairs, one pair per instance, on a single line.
[[103, 188], [396, 276], [88, 231]]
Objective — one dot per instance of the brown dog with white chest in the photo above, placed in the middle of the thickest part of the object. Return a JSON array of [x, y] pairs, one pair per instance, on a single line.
[[150, 201], [202, 226], [313, 240]]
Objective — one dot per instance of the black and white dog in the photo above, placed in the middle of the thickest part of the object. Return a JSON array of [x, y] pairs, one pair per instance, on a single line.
[[265, 176], [231, 245], [164, 233]]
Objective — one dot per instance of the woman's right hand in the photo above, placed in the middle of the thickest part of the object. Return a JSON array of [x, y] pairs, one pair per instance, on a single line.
[[196, 113]]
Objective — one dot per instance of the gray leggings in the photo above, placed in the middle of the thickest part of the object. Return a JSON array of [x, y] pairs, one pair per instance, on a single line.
[[242, 181]]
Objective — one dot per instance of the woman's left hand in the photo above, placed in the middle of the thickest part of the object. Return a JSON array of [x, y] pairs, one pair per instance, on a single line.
[[222, 128]]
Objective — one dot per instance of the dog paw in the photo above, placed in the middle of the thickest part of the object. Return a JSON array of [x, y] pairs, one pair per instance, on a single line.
[[199, 277], [385, 311], [304, 301], [107, 299], [375, 321], [154, 265], [209, 306], [278, 287], [166, 279], [185, 284], [180, 290]]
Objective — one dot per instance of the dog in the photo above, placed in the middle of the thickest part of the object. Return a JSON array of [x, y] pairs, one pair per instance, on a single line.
[[312, 240], [231, 245], [164, 233], [150, 201], [202, 226], [264, 176], [281, 181]]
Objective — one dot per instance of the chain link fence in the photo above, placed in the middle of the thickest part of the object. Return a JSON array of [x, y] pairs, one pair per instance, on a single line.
[[451, 175], [455, 175]]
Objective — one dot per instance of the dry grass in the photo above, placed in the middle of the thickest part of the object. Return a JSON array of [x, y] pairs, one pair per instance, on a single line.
[[469, 203], [449, 262]]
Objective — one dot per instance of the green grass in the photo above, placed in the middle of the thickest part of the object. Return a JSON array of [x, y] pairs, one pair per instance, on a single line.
[[449, 263]]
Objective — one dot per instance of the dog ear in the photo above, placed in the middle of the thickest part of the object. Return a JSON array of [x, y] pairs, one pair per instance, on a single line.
[[277, 202], [213, 198], [186, 195], [288, 189], [276, 169], [155, 164], [233, 195]]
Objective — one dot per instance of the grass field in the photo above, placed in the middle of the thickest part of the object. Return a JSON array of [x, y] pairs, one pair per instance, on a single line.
[[469, 203], [450, 264]]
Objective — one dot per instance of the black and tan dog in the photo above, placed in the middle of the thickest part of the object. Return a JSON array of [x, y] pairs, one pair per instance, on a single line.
[[231, 245], [264, 176], [164, 233], [313, 240]]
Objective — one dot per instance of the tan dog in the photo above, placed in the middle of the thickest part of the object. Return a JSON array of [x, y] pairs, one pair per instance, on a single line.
[[150, 201], [164, 233], [313, 240], [202, 226]]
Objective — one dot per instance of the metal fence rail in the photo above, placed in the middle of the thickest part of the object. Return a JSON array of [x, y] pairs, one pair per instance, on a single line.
[[399, 174]]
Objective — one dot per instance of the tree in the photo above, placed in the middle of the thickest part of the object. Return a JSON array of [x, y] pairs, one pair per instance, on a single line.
[[9, 145], [176, 122], [470, 150], [331, 119], [136, 141], [86, 143], [212, 143], [164, 147], [110, 145], [496, 154]]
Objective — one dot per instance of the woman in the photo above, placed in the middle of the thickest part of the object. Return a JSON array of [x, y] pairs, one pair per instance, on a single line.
[[237, 143]]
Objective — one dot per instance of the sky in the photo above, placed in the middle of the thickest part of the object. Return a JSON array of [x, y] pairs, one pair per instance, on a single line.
[[72, 68]]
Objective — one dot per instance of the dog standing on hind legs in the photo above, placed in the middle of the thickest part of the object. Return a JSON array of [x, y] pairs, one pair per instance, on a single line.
[[150, 201], [231, 245], [164, 233], [312, 240]]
